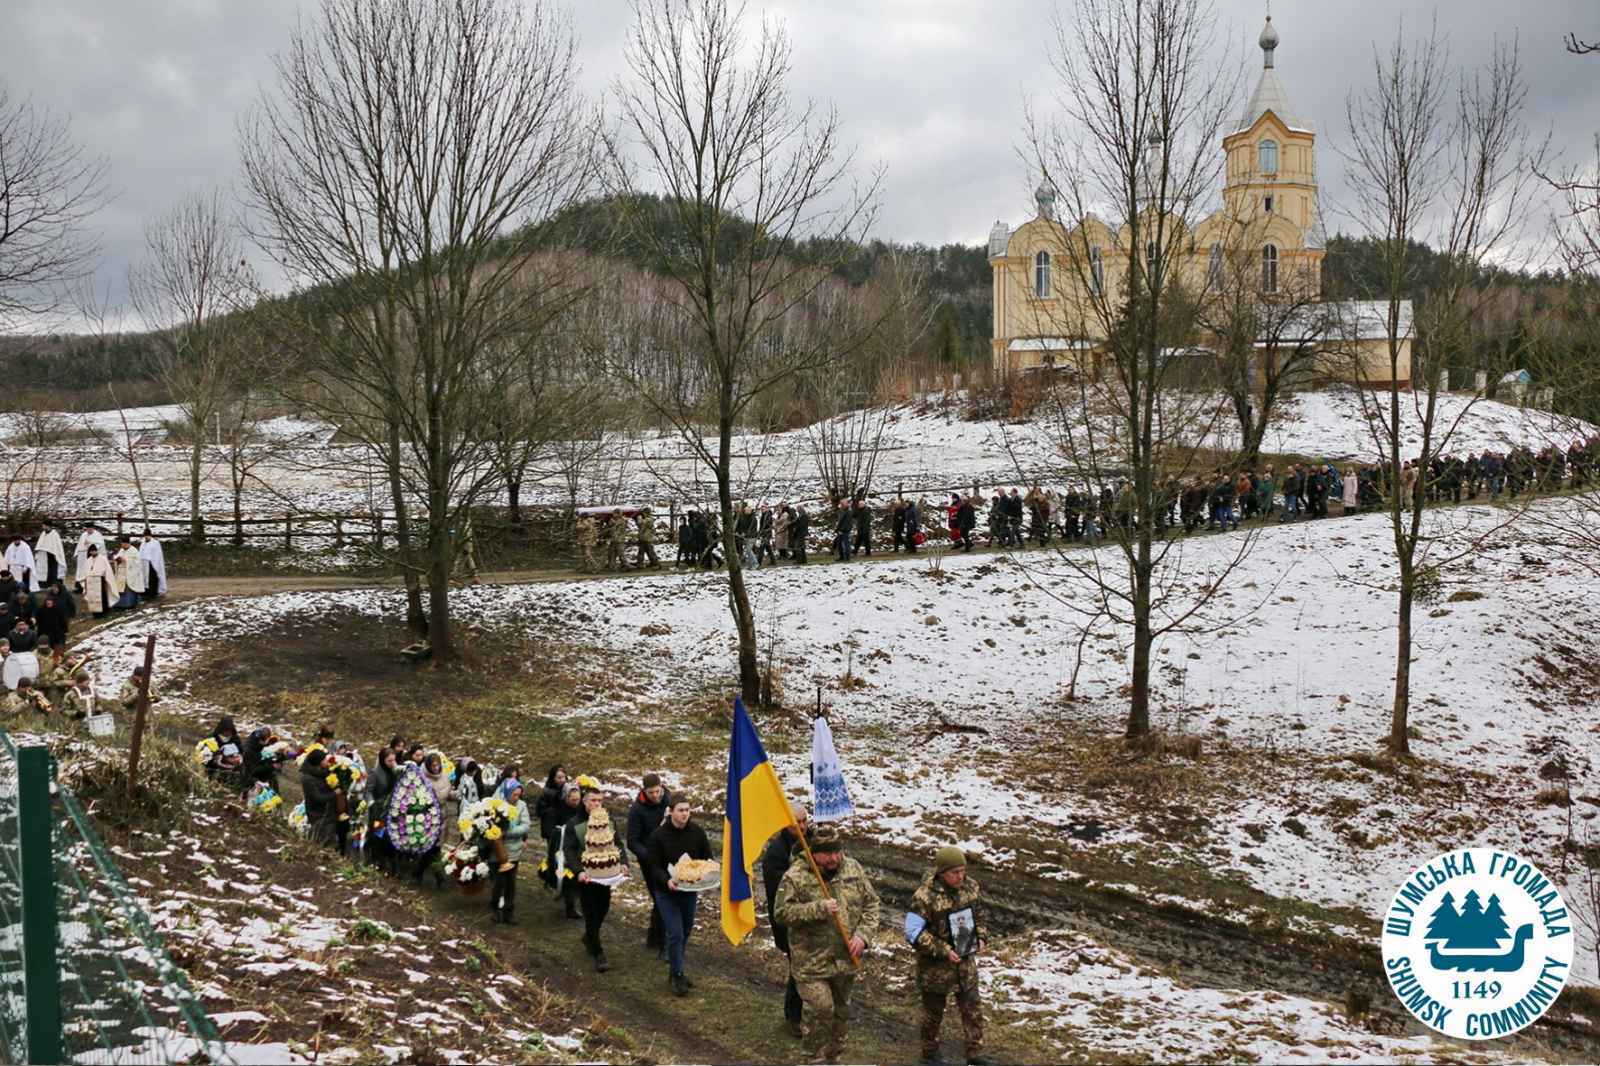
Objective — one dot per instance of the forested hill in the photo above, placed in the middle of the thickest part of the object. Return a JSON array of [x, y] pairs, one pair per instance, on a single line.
[[958, 274], [959, 284]]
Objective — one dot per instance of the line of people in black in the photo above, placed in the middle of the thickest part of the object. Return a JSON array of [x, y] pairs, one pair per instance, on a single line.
[[1223, 499]]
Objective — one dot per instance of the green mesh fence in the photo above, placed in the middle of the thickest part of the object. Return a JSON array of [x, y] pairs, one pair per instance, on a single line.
[[122, 998]]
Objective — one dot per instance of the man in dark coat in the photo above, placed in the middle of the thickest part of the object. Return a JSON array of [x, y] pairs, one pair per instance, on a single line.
[[776, 858], [842, 528], [966, 522], [863, 516], [645, 815], [799, 528], [674, 838]]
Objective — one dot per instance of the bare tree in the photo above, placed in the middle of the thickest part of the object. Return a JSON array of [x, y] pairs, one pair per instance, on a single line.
[[1452, 167], [410, 164], [1267, 341], [191, 290], [49, 188], [547, 398], [746, 178], [843, 406], [1135, 145]]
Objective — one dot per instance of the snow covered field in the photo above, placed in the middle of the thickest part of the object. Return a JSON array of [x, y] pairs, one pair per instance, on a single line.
[[924, 449]]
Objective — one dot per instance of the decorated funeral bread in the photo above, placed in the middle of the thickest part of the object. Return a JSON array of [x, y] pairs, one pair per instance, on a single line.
[[601, 859]]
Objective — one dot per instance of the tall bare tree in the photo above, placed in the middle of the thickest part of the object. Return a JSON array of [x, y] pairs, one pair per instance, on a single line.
[[746, 177], [844, 407], [1133, 158], [191, 290], [1267, 341], [409, 164], [1450, 162], [49, 189]]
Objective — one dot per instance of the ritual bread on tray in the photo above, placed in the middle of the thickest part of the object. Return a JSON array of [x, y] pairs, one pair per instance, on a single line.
[[689, 871]]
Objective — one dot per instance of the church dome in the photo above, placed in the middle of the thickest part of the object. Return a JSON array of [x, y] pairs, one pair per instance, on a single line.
[[1045, 197], [999, 238], [1269, 36]]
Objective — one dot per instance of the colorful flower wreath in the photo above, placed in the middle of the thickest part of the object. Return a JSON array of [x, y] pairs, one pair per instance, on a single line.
[[414, 821]]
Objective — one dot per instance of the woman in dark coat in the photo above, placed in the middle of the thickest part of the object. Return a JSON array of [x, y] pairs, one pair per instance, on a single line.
[[546, 808], [321, 805], [51, 618], [256, 769], [380, 786], [225, 762]]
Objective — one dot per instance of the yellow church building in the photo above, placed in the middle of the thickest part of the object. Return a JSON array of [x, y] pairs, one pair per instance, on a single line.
[[1268, 229]]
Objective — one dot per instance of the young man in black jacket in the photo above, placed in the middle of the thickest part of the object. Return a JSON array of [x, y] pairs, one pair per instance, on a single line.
[[645, 815], [676, 837]]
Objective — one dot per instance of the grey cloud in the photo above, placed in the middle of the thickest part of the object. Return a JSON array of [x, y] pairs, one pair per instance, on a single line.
[[932, 89]]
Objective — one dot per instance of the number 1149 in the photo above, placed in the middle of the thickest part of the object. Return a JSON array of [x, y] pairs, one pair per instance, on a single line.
[[1475, 989]]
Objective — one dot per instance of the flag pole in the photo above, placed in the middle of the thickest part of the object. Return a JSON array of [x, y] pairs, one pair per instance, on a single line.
[[811, 860]]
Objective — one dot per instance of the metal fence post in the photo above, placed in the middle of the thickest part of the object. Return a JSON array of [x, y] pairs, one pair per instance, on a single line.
[[41, 988]]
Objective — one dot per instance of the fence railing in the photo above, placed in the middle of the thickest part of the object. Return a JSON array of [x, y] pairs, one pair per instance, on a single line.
[[84, 976]]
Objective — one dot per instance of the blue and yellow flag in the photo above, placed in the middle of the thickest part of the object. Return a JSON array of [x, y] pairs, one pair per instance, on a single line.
[[757, 808]]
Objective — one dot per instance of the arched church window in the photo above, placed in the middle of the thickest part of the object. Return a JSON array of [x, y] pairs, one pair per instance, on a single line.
[[1269, 157], [1269, 268], [1151, 256], [1097, 272], [1041, 275], [1214, 266]]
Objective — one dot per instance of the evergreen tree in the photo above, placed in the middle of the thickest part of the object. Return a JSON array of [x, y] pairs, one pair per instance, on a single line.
[[1494, 921], [1445, 921], [1470, 929]]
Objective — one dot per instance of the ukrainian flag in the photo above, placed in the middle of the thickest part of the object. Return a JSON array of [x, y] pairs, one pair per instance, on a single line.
[[757, 808]]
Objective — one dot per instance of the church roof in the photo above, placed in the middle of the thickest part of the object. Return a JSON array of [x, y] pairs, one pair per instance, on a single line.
[[1270, 94]]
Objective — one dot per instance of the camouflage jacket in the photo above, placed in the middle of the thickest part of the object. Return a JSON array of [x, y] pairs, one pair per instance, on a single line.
[[586, 532], [934, 902], [75, 704], [816, 950], [647, 530], [617, 529]]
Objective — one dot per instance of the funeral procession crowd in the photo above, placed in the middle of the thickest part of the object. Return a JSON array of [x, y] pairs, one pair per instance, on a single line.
[[1221, 501], [418, 816], [39, 600]]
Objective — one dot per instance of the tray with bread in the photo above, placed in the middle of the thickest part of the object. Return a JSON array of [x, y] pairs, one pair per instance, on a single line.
[[695, 875]]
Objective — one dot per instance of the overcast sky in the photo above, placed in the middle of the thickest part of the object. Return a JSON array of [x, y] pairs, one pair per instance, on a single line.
[[932, 89]]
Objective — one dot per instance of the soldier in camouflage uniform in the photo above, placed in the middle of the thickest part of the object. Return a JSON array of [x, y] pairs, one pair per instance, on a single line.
[[647, 541], [616, 541], [822, 962], [76, 702], [947, 952], [587, 539]]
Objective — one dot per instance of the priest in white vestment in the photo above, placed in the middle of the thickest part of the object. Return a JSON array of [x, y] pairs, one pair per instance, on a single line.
[[89, 538], [129, 568], [100, 588], [155, 558], [19, 560], [51, 555]]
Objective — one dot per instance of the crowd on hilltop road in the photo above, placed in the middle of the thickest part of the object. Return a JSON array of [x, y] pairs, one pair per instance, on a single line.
[[766, 535]]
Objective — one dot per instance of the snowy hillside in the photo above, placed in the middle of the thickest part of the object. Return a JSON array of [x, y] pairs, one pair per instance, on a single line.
[[959, 678]]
